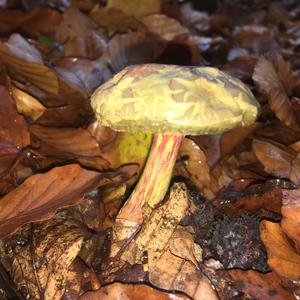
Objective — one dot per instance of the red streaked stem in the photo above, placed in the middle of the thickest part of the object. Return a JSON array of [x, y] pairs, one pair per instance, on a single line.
[[155, 179]]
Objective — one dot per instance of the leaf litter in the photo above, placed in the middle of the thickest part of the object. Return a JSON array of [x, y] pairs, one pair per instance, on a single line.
[[228, 228]]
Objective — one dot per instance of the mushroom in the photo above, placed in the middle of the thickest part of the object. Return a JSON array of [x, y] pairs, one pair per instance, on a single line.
[[170, 102]]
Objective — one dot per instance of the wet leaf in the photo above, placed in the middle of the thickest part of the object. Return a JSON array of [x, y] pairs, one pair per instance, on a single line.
[[259, 286], [282, 257], [41, 195], [290, 210], [40, 267], [267, 196], [269, 83], [14, 133], [275, 158], [235, 137], [192, 164], [119, 291]]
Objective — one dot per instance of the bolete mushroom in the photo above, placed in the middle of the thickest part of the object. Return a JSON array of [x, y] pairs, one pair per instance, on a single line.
[[170, 102]]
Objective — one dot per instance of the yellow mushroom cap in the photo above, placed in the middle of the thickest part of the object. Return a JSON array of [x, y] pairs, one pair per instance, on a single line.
[[173, 99]]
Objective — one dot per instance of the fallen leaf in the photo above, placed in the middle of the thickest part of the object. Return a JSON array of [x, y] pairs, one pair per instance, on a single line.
[[40, 267], [278, 132], [236, 137], [27, 105], [14, 135], [111, 202], [41, 195], [290, 210], [170, 265], [269, 83], [251, 199], [120, 291], [182, 245], [41, 20], [75, 141], [128, 49], [165, 28], [32, 68], [136, 8], [275, 158], [79, 35], [82, 74], [259, 286], [77, 280], [113, 19], [282, 257], [191, 164]]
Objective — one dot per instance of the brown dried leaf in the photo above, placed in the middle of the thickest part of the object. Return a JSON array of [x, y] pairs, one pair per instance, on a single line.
[[41, 195], [112, 19], [111, 201], [75, 141], [160, 222], [241, 67], [14, 133], [8, 20], [79, 35], [295, 170], [282, 257], [165, 28], [136, 8], [32, 70], [41, 20], [192, 164], [268, 82], [27, 105], [173, 273], [121, 291], [275, 158], [40, 267], [236, 137], [290, 210], [78, 280], [259, 286], [182, 245], [267, 196], [127, 49], [172, 256], [285, 74], [82, 74], [278, 132]]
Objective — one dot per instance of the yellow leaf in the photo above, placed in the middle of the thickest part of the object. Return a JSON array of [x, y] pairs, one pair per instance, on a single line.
[[27, 105]]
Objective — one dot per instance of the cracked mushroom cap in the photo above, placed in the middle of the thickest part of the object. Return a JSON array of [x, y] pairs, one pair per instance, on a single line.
[[173, 99]]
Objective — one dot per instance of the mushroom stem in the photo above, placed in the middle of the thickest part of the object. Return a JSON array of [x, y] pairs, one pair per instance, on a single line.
[[154, 181]]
